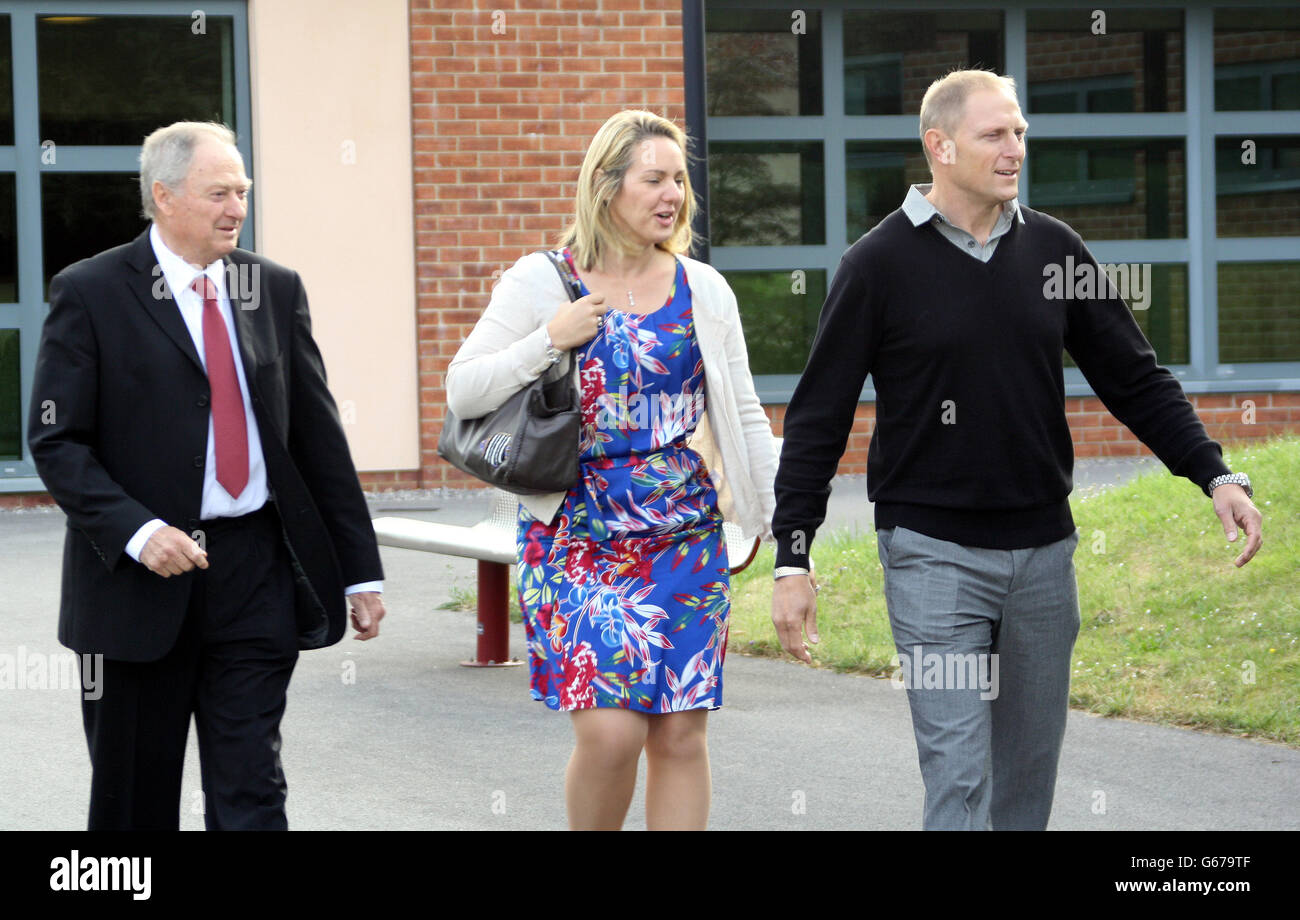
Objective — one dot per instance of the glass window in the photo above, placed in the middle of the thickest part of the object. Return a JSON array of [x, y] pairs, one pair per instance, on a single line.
[[66, 200], [1114, 189], [1257, 59], [8, 238], [763, 62], [11, 443], [1157, 295], [1257, 186], [6, 83], [891, 58], [1134, 65], [114, 79], [878, 175], [1259, 315], [766, 193], [779, 312]]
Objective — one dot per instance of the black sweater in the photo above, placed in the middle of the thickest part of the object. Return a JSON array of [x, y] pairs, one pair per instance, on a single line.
[[971, 442]]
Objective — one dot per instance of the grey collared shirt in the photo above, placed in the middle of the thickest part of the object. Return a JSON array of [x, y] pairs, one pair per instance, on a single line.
[[919, 210]]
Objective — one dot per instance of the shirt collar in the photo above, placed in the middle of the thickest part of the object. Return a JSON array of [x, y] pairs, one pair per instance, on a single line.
[[919, 210], [181, 274]]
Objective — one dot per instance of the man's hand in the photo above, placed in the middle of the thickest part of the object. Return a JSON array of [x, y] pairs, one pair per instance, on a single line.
[[1235, 509], [170, 551], [794, 609], [367, 611]]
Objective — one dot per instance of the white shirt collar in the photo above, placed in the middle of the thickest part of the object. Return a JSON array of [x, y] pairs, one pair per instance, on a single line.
[[179, 273]]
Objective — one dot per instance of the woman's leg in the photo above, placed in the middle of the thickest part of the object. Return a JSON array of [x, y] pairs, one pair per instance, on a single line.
[[678, 785], [601, 776]]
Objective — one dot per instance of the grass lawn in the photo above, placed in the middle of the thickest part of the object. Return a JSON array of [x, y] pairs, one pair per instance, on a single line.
[[1171, 631]]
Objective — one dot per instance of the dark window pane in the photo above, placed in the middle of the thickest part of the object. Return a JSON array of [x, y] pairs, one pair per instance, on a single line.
[[114, 79], [763, 63], [1259, 315], [779, 312], [11, 445], [8, 239], [1257, 59], [1111, 189], [766, 194], [1259, 197], [877, 177], [1159, 304], [86, 213], [6, 83], [891, 58], [1136, 65]]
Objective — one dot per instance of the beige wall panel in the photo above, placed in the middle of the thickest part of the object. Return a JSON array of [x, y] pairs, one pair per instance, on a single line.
[[333, 193]]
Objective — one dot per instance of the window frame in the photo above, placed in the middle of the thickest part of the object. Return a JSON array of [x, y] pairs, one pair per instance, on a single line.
[[1199, 126], [23, 160]]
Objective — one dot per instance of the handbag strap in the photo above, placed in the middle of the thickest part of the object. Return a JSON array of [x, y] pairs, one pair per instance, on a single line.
[[573, 287], [571, 284]]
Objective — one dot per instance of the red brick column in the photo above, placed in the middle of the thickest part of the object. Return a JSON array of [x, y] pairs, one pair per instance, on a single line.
[[506, 95]]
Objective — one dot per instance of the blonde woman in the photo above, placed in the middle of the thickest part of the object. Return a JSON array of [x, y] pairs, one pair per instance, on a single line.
[[623, 580]]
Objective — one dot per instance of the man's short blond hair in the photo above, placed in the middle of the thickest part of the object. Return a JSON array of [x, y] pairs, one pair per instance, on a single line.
[[944, 102]]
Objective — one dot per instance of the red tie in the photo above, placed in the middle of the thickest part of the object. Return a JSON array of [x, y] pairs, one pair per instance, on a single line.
[[229, 429]]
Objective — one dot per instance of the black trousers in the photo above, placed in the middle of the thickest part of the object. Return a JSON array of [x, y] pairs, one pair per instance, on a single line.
[[230, 670]]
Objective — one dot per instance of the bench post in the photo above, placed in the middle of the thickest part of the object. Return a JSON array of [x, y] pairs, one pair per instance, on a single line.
[[493, 649]]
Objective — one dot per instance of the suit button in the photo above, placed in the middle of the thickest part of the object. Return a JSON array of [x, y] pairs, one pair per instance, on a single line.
[[198, 463], [202, 401]]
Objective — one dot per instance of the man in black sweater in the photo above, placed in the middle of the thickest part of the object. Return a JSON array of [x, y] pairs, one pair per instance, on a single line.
[[946, 305]]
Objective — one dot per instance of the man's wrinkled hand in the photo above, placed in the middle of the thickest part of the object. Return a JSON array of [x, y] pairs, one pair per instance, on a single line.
[[1235, 509], [794, 612], [367, 611], [170, 551]]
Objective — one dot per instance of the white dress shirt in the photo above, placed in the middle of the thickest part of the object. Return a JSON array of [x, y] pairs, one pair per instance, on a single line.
[[217, 502]]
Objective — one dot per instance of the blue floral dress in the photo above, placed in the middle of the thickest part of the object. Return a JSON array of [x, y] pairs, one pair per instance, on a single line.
[[625, 596]]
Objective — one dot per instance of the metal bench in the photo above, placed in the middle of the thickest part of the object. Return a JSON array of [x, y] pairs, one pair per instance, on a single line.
[[492, 542]]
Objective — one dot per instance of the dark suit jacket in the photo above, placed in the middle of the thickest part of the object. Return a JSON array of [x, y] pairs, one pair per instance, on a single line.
[[118, 432]]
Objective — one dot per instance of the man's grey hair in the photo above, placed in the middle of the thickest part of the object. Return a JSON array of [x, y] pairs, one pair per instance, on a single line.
[[167, 152]]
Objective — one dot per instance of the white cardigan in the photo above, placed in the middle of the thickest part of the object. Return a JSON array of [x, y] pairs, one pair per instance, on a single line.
[[506, 351]]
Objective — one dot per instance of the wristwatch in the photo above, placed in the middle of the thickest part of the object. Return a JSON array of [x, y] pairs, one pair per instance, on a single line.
[[781, 571], [1240, 479]]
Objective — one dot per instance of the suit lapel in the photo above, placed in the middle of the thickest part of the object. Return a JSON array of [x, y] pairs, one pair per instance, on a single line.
[[242, 310], [150, 287], [247, 313]]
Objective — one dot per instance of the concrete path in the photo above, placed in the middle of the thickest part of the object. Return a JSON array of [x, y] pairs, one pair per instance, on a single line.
[[393, 734]]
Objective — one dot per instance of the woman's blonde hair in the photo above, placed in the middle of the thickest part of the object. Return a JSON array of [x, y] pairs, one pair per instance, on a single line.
[[593, 230]]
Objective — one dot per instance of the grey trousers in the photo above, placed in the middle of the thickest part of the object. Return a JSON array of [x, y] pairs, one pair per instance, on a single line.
[[984, 639]]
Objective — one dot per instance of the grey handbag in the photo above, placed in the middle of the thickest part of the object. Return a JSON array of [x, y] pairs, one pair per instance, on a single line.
[[529, 444]]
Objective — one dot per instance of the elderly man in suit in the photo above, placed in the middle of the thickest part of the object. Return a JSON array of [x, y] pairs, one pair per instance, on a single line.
[[215, 520]]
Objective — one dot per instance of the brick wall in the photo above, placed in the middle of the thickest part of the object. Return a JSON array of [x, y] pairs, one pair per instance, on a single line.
[[1097, 433], [505, 99]]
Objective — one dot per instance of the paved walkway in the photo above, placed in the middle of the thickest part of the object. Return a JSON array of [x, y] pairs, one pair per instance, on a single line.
[[393, 734]]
